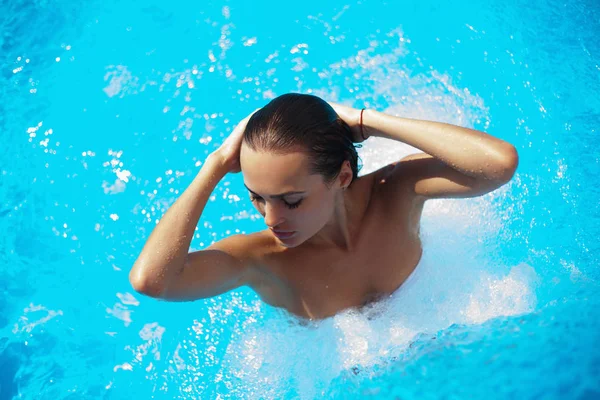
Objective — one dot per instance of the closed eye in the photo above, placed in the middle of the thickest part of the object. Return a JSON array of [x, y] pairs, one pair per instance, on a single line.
[[291, 206]]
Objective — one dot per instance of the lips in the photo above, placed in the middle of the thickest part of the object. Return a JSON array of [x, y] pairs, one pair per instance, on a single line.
[[283, 234]]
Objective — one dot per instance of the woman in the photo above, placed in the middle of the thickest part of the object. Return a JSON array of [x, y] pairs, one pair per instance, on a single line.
[[334, 240]]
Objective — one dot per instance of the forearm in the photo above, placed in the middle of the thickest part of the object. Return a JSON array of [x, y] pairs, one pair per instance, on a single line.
[[167, 247], [469, 151]]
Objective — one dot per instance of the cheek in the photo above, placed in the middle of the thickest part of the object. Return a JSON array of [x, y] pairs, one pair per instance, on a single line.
[[317, 213]]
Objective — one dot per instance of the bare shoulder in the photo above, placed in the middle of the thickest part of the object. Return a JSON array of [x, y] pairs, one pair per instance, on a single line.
[[247, 247], [397, 173], [390, 180], [391, 189], [250, 250]]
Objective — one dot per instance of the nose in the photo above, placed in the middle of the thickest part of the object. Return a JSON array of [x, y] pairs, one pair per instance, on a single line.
[[273, 215]]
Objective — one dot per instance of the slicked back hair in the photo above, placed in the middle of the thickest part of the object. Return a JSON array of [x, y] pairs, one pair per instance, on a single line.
[[293, 122]]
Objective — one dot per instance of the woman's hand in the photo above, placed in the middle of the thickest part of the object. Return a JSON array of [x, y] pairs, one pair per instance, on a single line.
[[351, 116], [229, 151]]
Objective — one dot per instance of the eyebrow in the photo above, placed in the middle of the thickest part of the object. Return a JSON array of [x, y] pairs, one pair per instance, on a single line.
[[275, 196]]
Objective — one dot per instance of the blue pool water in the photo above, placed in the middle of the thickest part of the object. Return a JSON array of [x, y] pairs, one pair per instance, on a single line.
[[108, 109]]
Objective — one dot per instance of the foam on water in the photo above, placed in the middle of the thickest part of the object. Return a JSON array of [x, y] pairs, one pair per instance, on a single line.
[[445, 289]]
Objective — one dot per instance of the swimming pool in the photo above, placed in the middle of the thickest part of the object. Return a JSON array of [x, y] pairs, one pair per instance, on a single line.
[[108, 109]]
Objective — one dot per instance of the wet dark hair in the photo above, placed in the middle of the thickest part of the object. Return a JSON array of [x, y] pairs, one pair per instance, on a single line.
[[301, 121]]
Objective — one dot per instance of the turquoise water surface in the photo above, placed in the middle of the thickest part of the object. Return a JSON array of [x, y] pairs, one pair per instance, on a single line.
[[108, 109]]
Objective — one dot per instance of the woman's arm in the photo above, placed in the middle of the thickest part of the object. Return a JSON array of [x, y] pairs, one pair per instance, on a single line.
[[471, 152], [457, 161], [164, 268]]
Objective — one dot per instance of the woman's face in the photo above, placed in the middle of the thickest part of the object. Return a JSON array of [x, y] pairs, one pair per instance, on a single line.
[[294, 203]]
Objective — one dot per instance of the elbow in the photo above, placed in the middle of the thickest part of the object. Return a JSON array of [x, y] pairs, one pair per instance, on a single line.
[[508, 161], [144, 284]]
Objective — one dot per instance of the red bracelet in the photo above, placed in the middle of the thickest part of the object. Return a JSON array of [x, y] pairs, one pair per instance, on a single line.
[[362, 133]]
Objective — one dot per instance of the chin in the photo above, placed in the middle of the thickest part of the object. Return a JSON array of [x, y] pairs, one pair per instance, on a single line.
[[289, 245], [294, 242]]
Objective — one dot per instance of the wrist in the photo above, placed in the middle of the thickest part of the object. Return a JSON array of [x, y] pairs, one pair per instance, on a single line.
[[217, 163], [367, 123]]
